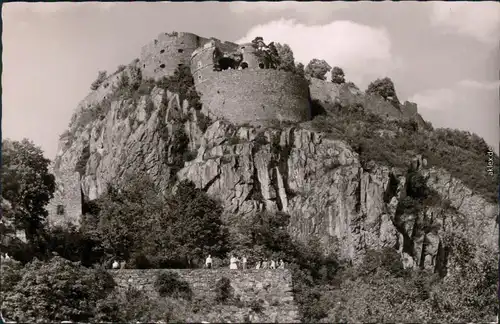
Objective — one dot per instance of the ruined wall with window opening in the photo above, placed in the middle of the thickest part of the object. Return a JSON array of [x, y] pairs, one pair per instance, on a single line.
[[66, 206], [162, 56]]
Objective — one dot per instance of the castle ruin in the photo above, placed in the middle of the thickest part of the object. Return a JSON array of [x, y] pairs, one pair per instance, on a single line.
[[233, 84]]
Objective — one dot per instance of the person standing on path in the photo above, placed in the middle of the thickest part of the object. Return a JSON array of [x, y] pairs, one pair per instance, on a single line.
[[244, 262], [208, 262], [233, 263]]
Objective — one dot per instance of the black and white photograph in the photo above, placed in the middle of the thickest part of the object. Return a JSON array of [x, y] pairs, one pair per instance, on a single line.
[[250, 162]]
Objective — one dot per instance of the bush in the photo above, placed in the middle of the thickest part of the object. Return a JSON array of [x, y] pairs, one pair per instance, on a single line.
[[11, 275], [120, 68], [101, 76], [317, 69], [203, 121], [134, 306], [81, 164], [187, 225], [358, 128], [170, 284], [55, 291], [223, 290], [384, 88], [338, 75], [182, 82], [256, 306]]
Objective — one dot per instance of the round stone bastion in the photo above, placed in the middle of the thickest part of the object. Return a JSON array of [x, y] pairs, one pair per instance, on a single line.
[[253, 96]]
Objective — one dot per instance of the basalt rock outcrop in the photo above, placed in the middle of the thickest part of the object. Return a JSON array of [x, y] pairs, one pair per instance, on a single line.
[[286, 166], [318, 181]]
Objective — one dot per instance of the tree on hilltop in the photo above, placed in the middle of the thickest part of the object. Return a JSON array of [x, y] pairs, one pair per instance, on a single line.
[[26, 184], [384, 88], [299, 69], [338, 75], [287, 61], [268, 54], [317, 69], [101, 76]]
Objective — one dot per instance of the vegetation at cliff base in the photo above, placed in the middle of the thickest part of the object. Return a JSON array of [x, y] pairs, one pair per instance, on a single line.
[[27, 185], [56, 290]]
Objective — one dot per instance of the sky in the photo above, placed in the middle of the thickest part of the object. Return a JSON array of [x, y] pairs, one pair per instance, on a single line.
[[442, 55]]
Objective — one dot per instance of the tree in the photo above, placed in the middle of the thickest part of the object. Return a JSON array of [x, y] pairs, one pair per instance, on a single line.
[[317, 69], [287, 61], [137, 223], [196, 221], [268, 54], [55, 291], [338, 75], [27, 185], [384, 88], [299, 69]]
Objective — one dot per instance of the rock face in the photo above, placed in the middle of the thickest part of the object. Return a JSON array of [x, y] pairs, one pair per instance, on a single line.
[[273, 288], [328, 194], [318, 181]]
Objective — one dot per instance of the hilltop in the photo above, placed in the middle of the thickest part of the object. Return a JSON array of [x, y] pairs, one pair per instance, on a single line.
[[354, 180]]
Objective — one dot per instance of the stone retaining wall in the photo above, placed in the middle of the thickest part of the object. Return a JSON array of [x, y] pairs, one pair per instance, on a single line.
[[273, 288]]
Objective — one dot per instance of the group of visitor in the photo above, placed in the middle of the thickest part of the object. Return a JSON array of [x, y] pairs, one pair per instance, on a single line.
[[235, 263]]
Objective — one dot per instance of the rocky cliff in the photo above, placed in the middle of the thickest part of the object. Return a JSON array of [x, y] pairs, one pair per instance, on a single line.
[[321, 182]]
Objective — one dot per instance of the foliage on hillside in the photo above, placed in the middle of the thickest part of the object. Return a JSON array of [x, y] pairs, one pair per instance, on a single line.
[[55, 291], [149, 230], [384, 88], [384, 295], [27, 185], [317, 69], [135, 306], [170, 284], [404, 139], [130, 87]]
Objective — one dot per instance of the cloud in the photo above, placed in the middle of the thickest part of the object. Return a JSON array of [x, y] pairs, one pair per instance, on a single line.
[[363, 52], [447, 98], [311, 10], [480, 20], [467, 105], [479, 85], [438, 99]]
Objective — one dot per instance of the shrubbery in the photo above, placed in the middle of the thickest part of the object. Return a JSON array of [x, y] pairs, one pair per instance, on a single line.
[[170, 284], [135, 306], [384, 88], [223, 290], [182, 82], [176, 230], [101, 76], [360, 128], [55, 291]]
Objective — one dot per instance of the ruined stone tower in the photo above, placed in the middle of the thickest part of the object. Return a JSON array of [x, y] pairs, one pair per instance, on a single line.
[[162, 56]]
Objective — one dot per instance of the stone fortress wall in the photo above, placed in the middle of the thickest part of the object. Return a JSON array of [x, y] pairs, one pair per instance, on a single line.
[[167, 52], [330, 93], [66, 206], [251, 95], [273, 287]]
